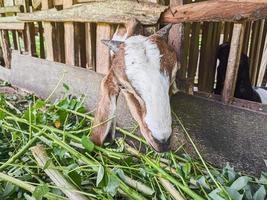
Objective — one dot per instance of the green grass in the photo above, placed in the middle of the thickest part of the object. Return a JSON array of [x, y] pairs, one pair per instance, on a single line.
[[115, 171]]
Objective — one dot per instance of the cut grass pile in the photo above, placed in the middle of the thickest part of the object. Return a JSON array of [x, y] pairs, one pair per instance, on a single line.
[[45, 153]]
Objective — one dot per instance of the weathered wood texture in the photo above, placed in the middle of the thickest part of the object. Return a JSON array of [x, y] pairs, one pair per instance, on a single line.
[[12, 9], [103, 31], [215, 11], [108, 11], [233, 63], [48, 32], [11, 23]]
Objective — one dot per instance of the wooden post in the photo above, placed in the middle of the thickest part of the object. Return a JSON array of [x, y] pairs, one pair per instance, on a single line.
[[233, 63], [256, 61], [69, 36], [193, 57], [175, 40], [41, 37], [48, 32], [5, 44], [263, 66], [103, 31]]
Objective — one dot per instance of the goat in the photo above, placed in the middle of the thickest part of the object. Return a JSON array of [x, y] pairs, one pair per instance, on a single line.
[[143, 69], [243, 89]]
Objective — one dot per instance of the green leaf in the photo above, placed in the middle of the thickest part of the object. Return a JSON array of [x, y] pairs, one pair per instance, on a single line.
[[66, 87], [202, 182], [240, 183], [39, 104], [113, 184], [28, 197], [215, 195], [234, 194], [47, 164], [76, 178], [40, 191], [100, 174], [260, 194], [87, 144], [186, 169]]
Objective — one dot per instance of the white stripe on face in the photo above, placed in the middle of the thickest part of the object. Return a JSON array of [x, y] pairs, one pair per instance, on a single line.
[[142, 61]]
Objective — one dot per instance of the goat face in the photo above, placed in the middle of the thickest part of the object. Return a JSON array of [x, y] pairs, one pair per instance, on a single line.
[[143, 69]]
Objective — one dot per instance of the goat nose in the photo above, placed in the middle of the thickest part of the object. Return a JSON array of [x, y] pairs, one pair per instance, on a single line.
[[163, 145]]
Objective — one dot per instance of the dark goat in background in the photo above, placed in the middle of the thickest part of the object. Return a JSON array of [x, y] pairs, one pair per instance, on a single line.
[[243, 89]]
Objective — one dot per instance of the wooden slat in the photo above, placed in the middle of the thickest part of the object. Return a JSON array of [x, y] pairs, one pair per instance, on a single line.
[[41, 37], [90, 37], [256, 64], [233, 63], [193, 56], [109, 11], [263, 65], [69, 37], [48, 32], [30, 33], [5, 43], [103, 31], [215, 11]]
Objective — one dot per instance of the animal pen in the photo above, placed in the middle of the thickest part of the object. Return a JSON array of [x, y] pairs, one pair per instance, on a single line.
[[42, 39]]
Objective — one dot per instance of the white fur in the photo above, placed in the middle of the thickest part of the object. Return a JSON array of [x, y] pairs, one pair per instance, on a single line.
[[142, 60], [263, 94]]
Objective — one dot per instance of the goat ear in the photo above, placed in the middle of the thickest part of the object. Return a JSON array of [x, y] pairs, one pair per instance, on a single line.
[[137, 109], [112, 44], [105, 109], [163, 32]]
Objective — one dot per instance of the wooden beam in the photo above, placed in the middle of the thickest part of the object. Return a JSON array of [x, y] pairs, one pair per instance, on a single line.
[[263, 66], [215, 11], [233, 63], [109, 11], [12, 9], [11, 23]]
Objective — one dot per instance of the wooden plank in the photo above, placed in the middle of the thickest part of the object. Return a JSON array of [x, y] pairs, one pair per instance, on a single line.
[[193, 56], [215, 11], [30, 33], [103, 31], [263, 66], [6, 48], [11, 23], [41, 39], [253, 47], [69, 37], [233, 63], [5, 43], [246, 37], [90, 37], [48, 32], [117, 12], [12, 9], [256, 64]]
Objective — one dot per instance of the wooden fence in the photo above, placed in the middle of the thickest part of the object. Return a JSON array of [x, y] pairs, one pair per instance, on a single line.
[[78, 42]]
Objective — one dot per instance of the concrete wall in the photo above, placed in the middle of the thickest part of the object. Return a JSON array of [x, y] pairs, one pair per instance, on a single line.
[[222, 133]]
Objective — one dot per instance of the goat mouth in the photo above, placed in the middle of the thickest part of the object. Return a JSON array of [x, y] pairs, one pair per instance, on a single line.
[[159, 146]]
